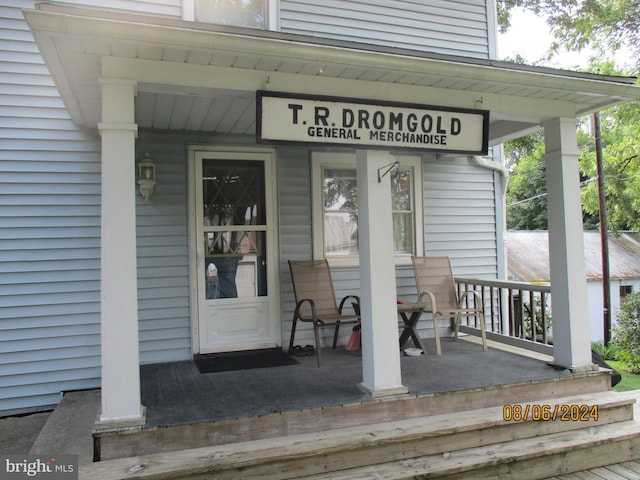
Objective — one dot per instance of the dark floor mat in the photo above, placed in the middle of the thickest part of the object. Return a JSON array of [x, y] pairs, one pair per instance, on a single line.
[[223, 362]]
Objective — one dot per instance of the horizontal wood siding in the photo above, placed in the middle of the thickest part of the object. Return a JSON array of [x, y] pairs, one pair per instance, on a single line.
[[50, 232], [152, 7], [50, 241], [294, 224], [163, 254], [460, 215], [459, 221], [457, 27]]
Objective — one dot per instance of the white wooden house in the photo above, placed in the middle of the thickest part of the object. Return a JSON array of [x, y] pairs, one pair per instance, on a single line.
[[97, 280], [528, 261]]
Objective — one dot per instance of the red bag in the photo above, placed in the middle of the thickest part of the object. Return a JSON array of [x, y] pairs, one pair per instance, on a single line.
[[355, 340]]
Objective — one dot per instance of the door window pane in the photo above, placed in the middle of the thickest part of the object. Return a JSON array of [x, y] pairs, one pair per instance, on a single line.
[[234, 248], [236, 275]]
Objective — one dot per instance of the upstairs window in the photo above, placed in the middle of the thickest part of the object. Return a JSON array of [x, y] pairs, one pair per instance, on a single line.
[[335, 203], [237, 13]]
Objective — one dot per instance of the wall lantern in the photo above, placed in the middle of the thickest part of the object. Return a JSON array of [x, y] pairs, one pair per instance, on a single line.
[[146, 176]]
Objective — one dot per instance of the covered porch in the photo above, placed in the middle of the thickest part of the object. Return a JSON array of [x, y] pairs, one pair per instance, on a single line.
[[119, 73]]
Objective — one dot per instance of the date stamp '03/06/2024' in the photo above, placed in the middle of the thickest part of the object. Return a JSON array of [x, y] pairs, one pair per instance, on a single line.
[[545, 413]]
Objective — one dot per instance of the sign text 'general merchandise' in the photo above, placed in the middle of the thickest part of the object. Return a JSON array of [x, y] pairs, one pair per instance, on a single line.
[[295, 119]]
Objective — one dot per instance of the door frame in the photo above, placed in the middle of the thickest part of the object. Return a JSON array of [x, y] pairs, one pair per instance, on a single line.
[[273, 249]]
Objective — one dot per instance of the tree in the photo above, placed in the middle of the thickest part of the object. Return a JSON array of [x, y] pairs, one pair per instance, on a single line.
[[605, 25], [526, 193], [621, 153]]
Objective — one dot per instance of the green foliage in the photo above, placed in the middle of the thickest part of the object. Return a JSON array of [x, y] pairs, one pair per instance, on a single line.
[[620, 138], [542, 318], [627, 334], [629, 380], [526, 198], [621, 154], [608, 352], [605, 25]]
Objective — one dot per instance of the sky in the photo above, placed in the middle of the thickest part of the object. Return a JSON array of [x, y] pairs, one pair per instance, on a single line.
[[530, 37]]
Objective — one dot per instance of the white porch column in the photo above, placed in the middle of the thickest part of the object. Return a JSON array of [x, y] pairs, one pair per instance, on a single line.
[[380, 347], [571, 341], [119, 289]]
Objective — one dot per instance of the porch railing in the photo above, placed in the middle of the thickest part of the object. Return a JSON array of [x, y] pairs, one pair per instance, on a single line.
[[517, 313]]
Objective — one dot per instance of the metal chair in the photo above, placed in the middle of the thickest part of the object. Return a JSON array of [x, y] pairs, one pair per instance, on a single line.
[[316, 301], [438, 294]]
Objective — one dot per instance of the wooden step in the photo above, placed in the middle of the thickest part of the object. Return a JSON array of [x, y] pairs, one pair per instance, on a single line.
[[421, 439], [527, 459], [112, 443]]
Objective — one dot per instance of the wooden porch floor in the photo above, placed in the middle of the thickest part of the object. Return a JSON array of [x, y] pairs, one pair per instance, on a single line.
[[177, 394]]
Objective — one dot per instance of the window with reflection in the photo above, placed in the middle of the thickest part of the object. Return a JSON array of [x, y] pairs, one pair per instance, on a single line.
[[338, 197], [237, 13], [340, 212], [402, 211], [234, 225]]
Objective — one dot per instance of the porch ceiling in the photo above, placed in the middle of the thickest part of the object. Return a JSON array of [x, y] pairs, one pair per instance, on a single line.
[[199, 77]]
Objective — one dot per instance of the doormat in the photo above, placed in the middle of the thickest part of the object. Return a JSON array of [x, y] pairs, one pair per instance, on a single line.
[[224, 362]]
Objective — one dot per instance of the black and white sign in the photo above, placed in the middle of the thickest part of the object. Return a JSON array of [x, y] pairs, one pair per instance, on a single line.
[[294, 119]]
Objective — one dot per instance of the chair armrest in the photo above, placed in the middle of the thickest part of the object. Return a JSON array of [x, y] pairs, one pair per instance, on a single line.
[[478, 306], [343, 301], [311, 303], [432, 300]]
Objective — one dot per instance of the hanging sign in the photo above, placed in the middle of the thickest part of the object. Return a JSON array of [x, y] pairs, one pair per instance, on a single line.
[[306, 119]]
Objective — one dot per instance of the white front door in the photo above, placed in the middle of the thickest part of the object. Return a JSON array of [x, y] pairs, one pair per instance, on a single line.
[[235, 250]]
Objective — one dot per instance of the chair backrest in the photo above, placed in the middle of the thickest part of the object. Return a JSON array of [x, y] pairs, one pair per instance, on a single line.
[[312, 280], [434, 274]]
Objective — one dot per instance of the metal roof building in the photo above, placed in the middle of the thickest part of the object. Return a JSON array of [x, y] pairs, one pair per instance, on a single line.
[[528, 255]]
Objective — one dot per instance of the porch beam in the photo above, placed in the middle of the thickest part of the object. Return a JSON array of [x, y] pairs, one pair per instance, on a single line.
[[159, 72], [380, 348], [119, 290], [571, 341]]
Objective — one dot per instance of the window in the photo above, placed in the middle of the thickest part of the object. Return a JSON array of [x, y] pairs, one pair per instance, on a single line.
[[238, 13], [625, 290], [335, 200]]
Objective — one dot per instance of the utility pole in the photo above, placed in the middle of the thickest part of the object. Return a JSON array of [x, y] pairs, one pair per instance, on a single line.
[[604, 229]]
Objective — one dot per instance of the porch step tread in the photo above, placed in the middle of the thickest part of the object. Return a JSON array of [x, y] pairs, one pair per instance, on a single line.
[[411, 437], [560, 453]]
